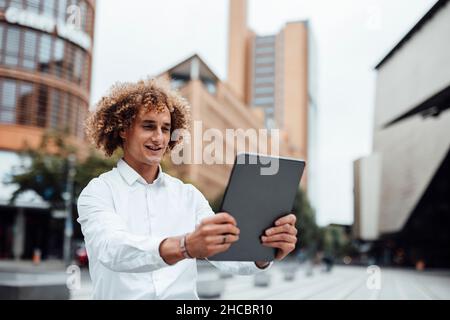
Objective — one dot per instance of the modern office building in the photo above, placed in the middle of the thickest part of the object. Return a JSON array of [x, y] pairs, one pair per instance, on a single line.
[[271, 85], [214, 108], [278, 75], [45, 80], [402, 203]]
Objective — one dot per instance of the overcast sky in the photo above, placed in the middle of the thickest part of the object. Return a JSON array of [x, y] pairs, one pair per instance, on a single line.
[[136, 38]]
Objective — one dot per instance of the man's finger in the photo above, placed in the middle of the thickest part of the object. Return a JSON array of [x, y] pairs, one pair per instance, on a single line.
[[285, 246], [221, 217], [222, 239], [286, 228], [284, 237], [221, 229], [288, 219]]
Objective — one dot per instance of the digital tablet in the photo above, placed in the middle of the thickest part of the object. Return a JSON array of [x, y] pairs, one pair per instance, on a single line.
[[260, 190]]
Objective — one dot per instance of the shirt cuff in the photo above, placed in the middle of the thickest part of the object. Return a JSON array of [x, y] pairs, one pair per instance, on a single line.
[[154, 254]]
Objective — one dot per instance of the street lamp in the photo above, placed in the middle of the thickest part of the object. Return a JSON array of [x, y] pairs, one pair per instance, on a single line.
[[68, 197]]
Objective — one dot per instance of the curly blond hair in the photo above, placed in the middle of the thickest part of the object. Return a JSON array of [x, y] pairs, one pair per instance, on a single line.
[[117, 110]]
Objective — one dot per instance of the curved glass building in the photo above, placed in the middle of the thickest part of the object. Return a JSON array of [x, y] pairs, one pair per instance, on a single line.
[[45, 79], [45, 66]]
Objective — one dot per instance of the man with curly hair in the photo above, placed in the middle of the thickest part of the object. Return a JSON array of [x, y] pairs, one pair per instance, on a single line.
[[143, 228]]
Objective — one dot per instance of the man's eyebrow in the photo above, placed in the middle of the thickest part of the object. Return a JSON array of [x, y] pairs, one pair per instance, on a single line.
[[168, 124], [148, 121]]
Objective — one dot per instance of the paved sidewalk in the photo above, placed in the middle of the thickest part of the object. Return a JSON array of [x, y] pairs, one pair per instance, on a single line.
[[342, 283], [27, 266]]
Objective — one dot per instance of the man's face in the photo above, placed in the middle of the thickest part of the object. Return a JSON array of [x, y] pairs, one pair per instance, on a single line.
[[147, 139]]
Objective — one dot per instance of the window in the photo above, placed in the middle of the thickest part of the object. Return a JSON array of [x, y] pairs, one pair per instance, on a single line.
[[263, 101], [81, 119], [24, 104], [84, 17], [49, 8], [33, 5], [12, 46], [59, 57], [210, 86], [177, 83], [70, 111], [59, 50], [264, 59], [270, 123], [29, 49], [42, 106], [1, 42], [86, 70], [262, 50], [261, 80], [75, 115], [62, 8], [70, 53], [263, 70], [56, 105], [64, 111], [265, 40], [45, 51], [16, 4], [78, 66], [8, 103], [263, 90]]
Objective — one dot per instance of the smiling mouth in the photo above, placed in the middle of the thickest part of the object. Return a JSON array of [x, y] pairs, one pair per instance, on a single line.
[[152, 148]]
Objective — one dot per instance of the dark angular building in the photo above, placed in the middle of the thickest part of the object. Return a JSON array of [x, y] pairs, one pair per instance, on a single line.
[[402, 190]]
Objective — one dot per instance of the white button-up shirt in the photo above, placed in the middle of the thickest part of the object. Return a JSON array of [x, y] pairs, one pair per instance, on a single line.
[[124, 219]]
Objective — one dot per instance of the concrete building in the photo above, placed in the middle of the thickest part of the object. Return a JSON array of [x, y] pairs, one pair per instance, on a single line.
[[45, 80], [402, 189], [214, 105], [278, 75]]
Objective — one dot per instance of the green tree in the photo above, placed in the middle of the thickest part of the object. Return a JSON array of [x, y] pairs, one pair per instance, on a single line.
[[309, 234], [93, 166], [44, 169]]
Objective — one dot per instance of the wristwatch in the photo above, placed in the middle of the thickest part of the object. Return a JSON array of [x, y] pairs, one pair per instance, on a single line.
[[184, 251]]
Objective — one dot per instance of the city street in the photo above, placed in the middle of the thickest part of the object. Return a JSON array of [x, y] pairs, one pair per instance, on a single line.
[[342, 283]]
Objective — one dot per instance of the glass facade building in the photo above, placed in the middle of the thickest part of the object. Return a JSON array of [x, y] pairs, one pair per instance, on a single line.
[[44, 75], [45, 80]]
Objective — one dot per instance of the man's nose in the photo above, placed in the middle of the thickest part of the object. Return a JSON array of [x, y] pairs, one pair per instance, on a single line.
[[157, 136]]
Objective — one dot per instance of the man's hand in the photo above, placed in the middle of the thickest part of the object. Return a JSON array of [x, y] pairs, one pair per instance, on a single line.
[[282, 236], [214, 235]]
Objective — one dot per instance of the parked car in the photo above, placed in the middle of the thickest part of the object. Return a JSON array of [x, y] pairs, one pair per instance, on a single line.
[[81, 256]]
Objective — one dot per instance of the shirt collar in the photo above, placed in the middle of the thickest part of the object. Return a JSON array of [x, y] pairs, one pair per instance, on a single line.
[[131, 176]]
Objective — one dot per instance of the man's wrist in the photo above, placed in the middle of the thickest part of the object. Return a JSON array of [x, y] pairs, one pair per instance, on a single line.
[[170, 250], [183, 247]]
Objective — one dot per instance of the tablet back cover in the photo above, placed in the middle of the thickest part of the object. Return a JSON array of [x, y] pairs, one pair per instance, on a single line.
[[256, 201]]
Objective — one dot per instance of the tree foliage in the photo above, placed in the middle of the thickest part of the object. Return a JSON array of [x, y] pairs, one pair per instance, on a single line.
[[44, 169], [309, 235]]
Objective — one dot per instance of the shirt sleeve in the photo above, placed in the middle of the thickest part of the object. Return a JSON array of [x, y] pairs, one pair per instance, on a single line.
[[106, 236], [203, 210]]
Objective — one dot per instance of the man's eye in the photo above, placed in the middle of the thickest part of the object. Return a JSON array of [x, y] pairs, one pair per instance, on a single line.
[[166, 129]]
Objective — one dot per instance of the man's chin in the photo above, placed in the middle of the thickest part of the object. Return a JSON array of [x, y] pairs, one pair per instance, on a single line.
[[153, 160]]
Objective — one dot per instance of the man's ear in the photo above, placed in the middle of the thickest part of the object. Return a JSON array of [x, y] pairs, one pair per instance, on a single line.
[[122, 134]]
